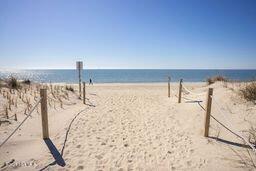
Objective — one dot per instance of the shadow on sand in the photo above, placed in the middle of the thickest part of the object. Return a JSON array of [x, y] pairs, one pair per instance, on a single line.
[[55, 153], [89, 103], [220, 139], [196, 101], [230, 142]]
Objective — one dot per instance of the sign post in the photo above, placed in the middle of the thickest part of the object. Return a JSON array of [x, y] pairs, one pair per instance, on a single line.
[[79, 67], [169, 80]]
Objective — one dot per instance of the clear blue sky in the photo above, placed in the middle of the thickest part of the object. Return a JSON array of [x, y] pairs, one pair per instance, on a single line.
[[128, 33]]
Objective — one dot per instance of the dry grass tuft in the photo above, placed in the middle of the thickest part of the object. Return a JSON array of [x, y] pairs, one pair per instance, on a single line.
[[26, 81], [252, 137], [13, 83], [70, 88], [214, 79], [249, 92], [1, 83]]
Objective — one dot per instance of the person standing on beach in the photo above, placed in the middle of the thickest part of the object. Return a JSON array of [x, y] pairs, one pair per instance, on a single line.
[[90, 82]]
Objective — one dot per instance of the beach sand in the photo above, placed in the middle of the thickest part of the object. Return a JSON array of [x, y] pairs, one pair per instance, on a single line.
[[135, 127]]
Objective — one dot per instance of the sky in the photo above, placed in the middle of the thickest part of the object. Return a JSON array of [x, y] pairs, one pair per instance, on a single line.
[[128, 34]]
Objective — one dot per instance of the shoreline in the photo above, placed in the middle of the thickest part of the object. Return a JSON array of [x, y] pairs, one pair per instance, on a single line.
[[144, 83], [140, 83]]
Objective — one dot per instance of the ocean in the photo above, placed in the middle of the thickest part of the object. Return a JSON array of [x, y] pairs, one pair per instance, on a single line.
[[126, 75]]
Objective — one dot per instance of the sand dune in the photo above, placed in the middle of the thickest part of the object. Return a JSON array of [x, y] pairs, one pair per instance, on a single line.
[[136, 127]]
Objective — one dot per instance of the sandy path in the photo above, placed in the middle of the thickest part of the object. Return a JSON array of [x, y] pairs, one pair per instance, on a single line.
[[130, 129]]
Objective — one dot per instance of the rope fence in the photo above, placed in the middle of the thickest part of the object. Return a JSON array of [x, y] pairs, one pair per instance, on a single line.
[[29, 114], [183, 89], [233, 130], [193, 93], [44, 113], [58, 101], [186, 91]]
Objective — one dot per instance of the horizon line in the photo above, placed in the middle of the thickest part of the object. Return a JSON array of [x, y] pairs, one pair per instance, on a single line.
[[128, 69]]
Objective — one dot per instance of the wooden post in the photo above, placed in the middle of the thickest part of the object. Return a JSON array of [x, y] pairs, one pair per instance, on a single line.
[[6, 112], [15, 117], [79, 73], [84, 92], [44, 113], [79, 67], [180, 90], [169, 79], [208, 112]]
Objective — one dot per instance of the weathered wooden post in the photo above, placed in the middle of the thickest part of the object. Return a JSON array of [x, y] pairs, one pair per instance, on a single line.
[[84, 92], [79, 67], [15, 117], [169, 79], [180, 90], [44, 113], [208, 112], [6, 113]]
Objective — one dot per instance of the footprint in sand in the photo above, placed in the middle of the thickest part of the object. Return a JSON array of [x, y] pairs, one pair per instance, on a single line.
[[189, 163], [99, 157], [80, 167]]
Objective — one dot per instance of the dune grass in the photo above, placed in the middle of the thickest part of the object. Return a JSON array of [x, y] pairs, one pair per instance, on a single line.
[[26, 81], [249, 92], [69, 88], [214, 79], [13, 83]]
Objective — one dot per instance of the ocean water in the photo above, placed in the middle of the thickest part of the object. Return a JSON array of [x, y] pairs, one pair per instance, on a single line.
[[126, 75]]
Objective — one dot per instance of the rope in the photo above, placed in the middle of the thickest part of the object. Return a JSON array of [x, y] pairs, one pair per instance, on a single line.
[[66, 138], [236, 133], [53, 99], [190, 99], [219, 109], [57, 101], [20, 123], [232, 130], [197, 94]]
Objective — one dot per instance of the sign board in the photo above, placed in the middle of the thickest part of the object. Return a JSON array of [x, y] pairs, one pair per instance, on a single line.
[[79, 65]]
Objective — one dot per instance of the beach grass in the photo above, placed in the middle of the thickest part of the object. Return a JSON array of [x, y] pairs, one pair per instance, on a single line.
[[13, 83], [217, 78], [249, 92]]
